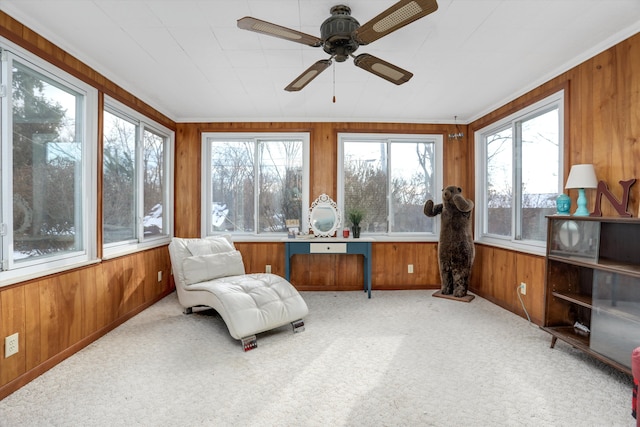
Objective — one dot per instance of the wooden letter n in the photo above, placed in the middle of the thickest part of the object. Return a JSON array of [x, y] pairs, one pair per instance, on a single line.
[[620, 206]]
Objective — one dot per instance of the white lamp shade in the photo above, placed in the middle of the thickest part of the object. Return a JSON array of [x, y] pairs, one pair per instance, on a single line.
[[582, 176]]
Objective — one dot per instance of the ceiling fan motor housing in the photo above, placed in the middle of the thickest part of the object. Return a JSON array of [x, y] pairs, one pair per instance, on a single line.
[[337, 33]]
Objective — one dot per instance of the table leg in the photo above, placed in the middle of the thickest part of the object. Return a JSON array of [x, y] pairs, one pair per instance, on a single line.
[[287, 264]]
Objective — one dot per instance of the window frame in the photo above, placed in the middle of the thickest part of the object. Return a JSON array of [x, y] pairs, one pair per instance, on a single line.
[[143, 123], [531, 111], [12, 272], [205, 189], [390, 138]]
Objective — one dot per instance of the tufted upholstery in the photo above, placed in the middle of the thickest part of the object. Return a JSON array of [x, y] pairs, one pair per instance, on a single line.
[[248, 303]]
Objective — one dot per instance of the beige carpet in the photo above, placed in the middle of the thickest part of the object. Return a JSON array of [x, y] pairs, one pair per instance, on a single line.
[[402, 358]]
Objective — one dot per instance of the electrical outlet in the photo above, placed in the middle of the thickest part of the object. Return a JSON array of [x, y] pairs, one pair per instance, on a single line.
[[11, 345], [523, 288], [410, 268], [159, 276], [267, 268]]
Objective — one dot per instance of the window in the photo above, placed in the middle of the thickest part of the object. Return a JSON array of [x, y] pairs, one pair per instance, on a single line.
[[137, 185], [48, 168], [253, 183], [519, 167], [390, 177]]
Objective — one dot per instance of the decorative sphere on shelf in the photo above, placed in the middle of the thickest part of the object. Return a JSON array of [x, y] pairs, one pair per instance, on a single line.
[[563, 204]]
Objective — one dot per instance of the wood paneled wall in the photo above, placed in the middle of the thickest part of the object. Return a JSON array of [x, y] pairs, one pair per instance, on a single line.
[[496, 274]]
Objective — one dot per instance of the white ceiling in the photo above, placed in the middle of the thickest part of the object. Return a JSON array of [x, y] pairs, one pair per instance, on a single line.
[[189, 60]]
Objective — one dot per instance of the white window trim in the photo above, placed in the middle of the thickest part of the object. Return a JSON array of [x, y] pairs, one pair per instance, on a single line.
[[508, 242], [205, 191], [43, 266], [394, 236], [116, 249]]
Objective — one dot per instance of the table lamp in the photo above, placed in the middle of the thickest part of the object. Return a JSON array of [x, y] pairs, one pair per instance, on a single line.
[[581, 177]]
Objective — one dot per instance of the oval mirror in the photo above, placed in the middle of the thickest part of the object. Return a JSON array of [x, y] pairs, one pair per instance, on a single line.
[[324, 217]]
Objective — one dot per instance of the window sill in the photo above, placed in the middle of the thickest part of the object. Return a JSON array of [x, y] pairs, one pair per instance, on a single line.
[[527, 249], [119, 251], [15, 276]]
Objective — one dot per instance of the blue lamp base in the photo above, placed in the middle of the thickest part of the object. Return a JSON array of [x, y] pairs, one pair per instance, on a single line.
[[582, 204]]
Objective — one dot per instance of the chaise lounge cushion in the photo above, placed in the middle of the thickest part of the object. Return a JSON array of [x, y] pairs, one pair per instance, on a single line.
[[201, 268], [211, 245]]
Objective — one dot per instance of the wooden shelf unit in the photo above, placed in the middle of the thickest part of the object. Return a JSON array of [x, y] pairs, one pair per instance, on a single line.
[[593, 280]]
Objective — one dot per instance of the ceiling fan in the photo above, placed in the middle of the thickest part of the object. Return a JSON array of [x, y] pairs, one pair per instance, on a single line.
[[341, 35]]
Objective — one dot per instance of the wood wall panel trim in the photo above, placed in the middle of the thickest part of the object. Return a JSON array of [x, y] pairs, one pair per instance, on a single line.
[[531, 270], [390, 260], [12, 313], [497, 273], [89, 307], [60, 314], [187, 173]]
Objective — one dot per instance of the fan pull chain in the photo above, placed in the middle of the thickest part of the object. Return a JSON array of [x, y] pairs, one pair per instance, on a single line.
[[334, 82]]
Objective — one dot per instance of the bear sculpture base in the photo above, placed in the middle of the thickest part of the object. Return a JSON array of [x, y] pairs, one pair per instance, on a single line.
[[466, 298]]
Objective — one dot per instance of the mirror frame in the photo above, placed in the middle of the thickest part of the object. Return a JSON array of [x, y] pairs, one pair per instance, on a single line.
[[323, 202]]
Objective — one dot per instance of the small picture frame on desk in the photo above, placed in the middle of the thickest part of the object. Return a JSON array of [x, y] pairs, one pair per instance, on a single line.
[[293, 232]]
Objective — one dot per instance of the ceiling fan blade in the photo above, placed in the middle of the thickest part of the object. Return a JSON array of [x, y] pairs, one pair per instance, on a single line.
[[264, 27], [397, 16], [311, 73], [382, 68]]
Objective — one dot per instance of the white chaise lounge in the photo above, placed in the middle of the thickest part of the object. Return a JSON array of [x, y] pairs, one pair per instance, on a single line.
[[210, 272]]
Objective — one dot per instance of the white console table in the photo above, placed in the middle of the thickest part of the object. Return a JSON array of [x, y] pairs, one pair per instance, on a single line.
[[331, 245]]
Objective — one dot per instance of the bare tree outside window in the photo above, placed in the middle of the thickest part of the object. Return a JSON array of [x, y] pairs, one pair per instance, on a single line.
[[267, 173], [522, 175], [232, 186], [135, 191], [280, 184], [412, 183], [153, 183], [499, 185], [389, 180], [119, 179]]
